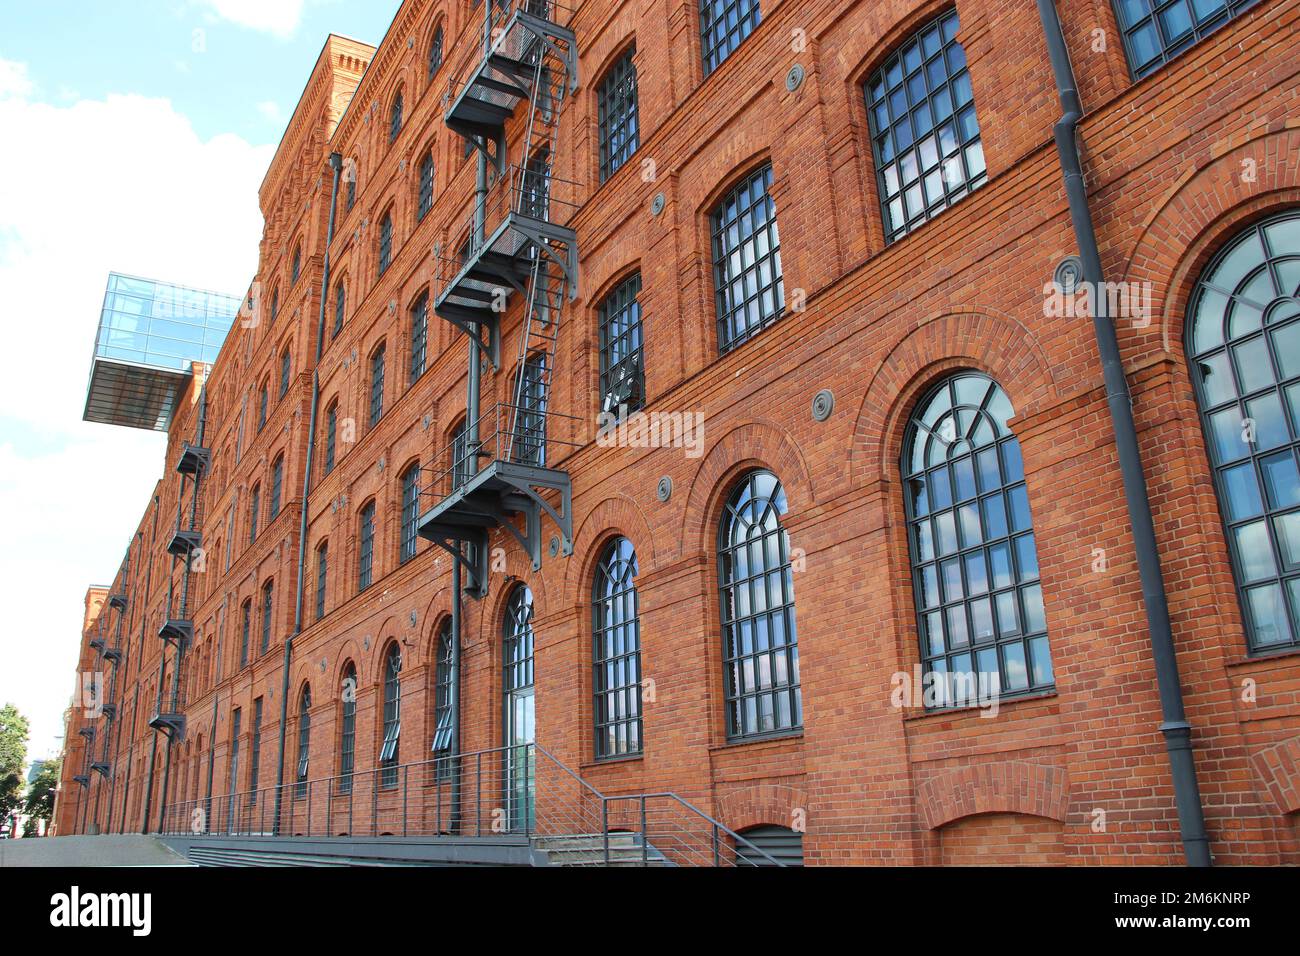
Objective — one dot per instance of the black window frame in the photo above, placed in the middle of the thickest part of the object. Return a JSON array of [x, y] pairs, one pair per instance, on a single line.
[[366, 547], [972, 548], [921, 90], [410, 540], [443, 723], [528, 440], [331, 433], [621, 346], [347, 728], [754, 497], [277, 485], [390, 749], [616, 654], [295, 269], [395, 117], [724, 26], [268, 614], [304, 742], [435, 53], [616, 114], [378, 361], [1157, 17], [246, 628], [255, 752], [340, 305], [424, 187], [419, 338], [385, 242], [1246, 368], [757, 251], [286, 371], [322, 577], [254, 513]]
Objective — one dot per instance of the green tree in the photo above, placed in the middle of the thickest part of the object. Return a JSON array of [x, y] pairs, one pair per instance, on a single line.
[[40, 796], [13, 757]]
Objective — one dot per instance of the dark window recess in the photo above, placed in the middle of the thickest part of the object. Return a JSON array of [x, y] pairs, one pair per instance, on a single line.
[[322, 578], [979, 602], [277, 485], [924, 132], [425, 191], [723, 25], [331, 436], [760, 645], [340, 303], [747, 278], [390, 747], [348, 729], [518, 641], [419, 336], [351, 192], [617, 116], [286, 368], [395, 119], [410, 512], [529, 438], [245, 629], [1156, 31], [616, 653], [255, 753], [253, 514], [268, 609], [275, 305], [385, 243], [304, 742], [435, 53], [263, 403], [296, 269], [1243, 351], [622, 377], [770, 846], [377, 386], [463, 465], [442, 697], [366, 556]]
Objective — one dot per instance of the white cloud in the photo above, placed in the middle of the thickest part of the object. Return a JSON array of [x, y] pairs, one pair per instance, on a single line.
[[278, 17], [270, 110], [119, 184]]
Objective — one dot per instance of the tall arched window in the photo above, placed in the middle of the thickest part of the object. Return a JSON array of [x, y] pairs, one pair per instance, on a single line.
[[347, 727], [442, 698], [385, 242], [1243, 348], [616, 653], [747, 280], [517, 684], [389, 749], [435, 52], [424, 188], [410, 512], [979, 602], [340, 308], [419, 338], [331, 435], [304, 741], [395, 118], [760, 647]]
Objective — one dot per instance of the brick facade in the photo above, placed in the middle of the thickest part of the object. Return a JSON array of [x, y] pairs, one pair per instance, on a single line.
[[881, 324]]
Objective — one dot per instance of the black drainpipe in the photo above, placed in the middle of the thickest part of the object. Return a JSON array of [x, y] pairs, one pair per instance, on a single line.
[[162, 671], [1174, 725], [336, 164]]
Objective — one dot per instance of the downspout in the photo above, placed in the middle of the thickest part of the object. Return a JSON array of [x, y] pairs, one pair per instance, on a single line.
[[144, 617], [1174, 725], [162, 673], [336, 164], [212, 737]]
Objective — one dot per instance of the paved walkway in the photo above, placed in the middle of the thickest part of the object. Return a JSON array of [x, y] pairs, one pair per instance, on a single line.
[[132, 850]]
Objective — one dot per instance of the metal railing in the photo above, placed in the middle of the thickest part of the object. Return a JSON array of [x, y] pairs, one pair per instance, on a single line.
[[533, 437], [521, 791]]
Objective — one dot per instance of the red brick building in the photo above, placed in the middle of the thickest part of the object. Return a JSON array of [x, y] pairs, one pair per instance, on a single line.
[[815, 245]]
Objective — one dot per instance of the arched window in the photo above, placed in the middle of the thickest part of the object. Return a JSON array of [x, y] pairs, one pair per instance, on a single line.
[[1156, 31], [395, 118], [760, 646], [268, 610], [616, 653], [366, 547], [747, 282], [529, 437], [770, 845], [410, 512], [442, 697], [331, 435], [1243, 349], [723, 25], [322, 577], [277, 484], [296, 270], [254, 507], [435, 52], [616, 114], [924, 133], [263, 404], [390, 748], [424, 189], [286, 369], [419, 337], [340, 308], [979, 602], [385, 242], [245, 629], [304, 741], [517, 683], [347, 727], [275, 305], [377, 385], [622, 375]]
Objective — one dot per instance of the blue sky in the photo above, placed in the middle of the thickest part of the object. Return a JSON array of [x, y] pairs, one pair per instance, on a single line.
[[237, 66], [134, 144]]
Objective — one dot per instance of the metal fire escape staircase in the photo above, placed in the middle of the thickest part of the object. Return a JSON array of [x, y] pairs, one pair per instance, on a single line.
[[515, 249], [113, 655], [185, 546]]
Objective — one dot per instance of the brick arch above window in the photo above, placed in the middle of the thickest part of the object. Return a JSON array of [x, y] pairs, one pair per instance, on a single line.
[[1007, 786]]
